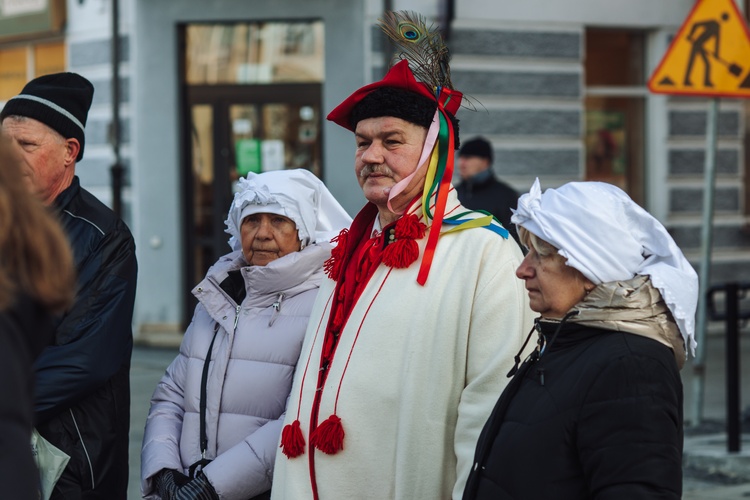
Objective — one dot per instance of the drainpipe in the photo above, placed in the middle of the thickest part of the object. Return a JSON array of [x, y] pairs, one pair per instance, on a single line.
[[389, 48], [447, 15], [117, 171]]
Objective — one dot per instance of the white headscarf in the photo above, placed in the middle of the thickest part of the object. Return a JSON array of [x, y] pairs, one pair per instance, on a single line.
[[296, 194], [605, 235]]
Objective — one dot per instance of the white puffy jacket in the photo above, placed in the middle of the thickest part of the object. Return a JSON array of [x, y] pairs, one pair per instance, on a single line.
[[250, 375]]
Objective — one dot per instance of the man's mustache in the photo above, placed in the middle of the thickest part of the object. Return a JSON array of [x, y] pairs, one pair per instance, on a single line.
[[368, 170]]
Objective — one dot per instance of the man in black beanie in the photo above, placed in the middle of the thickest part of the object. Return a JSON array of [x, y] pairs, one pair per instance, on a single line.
[[479, 188], [82, 399]]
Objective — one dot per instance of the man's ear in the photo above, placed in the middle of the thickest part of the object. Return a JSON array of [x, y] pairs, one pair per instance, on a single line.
[[72, 148]]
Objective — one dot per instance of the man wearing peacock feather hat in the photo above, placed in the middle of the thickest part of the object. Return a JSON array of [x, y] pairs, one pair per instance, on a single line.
[[410, 341]]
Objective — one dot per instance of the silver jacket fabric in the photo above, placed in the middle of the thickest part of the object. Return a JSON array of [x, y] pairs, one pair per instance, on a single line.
[[250, 374], [633, 306]]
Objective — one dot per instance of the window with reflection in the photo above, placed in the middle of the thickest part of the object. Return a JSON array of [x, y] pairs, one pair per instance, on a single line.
[[255, 53]]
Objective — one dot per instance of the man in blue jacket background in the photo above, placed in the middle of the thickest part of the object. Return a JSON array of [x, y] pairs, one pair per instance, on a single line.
[[82, 400]]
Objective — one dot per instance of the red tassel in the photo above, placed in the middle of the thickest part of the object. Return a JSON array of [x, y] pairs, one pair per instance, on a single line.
[[292, 441], [401, 254], [409, 227], [329, 436], [341, 239], [332, 266]]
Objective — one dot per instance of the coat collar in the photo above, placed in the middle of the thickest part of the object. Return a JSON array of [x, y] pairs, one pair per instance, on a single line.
[[290, 275], [632, 306]]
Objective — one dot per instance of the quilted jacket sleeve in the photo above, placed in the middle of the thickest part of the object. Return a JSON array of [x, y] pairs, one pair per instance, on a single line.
[[161, 439], [254, 456], [94, 338], [630, 430]]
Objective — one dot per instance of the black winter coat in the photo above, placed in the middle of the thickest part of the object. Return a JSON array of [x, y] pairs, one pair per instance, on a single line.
[[25, 329], [83, 386], [597, 416]]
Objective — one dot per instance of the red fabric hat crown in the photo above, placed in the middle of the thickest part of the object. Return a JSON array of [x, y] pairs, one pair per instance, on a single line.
[[400, 77]]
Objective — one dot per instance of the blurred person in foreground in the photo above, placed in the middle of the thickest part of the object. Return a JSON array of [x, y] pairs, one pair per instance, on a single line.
[[410, 340], [82, 398], [35, 284], [479, 188], [596, 410], [215, 419]]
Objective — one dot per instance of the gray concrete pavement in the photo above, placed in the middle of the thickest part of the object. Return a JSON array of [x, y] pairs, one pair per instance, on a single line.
[[711, 472], [709, 492], [704, 479]]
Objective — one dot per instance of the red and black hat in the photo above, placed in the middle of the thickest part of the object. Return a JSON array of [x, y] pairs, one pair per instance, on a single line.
[[398, 94]]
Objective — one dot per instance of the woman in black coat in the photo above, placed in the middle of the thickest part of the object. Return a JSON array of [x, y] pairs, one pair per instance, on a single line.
[[595, 412], [36, 280]]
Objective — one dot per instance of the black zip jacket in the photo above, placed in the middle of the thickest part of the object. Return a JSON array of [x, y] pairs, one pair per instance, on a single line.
[[82, 400], [597, 416]]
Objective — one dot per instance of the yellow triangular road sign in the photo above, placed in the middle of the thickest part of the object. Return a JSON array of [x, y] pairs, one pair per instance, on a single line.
[[709, 56]]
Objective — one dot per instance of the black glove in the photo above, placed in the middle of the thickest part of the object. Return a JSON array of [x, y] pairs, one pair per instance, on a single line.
[[197, 489], [168, 482]]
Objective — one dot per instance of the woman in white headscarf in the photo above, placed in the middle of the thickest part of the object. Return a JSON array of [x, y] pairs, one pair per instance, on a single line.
[[596, 410], [216, 416]]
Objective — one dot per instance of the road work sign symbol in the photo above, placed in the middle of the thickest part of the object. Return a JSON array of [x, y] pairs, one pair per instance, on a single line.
[[709, 56]]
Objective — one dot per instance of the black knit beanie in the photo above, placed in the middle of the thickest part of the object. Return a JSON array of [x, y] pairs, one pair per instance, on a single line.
[[477, 147], [61, 101], [399, 103]]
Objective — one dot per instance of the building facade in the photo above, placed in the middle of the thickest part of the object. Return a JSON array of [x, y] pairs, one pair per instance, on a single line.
[[213, 89]]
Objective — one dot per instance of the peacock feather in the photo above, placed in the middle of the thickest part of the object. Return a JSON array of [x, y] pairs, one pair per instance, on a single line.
[[428, 56], [420, 44]]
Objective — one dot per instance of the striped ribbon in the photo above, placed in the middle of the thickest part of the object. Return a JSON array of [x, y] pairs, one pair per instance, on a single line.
[[437, 183]]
